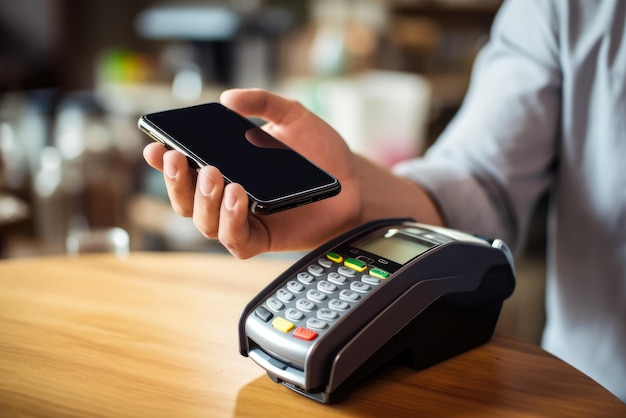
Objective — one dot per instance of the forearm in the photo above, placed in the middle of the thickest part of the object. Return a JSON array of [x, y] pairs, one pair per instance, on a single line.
[[385, 195]]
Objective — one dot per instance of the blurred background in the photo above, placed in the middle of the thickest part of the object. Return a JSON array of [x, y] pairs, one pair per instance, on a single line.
[[75, 75]]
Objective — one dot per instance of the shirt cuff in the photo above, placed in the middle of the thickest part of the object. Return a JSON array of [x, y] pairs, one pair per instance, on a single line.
[[461, 199]]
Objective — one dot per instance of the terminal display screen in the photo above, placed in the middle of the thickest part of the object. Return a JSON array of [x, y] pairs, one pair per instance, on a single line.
[[394, 245]]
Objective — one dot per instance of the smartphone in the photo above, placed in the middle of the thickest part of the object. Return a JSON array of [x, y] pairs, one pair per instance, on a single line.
[[275, 176]]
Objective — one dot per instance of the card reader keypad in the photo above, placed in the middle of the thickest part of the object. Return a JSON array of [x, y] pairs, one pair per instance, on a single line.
[[317, 297]]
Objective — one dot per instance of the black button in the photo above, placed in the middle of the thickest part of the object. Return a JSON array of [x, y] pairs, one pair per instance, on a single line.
[[263, 314]]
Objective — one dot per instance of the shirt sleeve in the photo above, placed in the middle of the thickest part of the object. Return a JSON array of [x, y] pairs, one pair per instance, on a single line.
[[497, 156]]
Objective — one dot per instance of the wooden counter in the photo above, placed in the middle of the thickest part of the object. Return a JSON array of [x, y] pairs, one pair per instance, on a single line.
[[156, 335]]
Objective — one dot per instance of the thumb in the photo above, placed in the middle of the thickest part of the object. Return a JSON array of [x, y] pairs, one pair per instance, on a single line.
[[263, 104]]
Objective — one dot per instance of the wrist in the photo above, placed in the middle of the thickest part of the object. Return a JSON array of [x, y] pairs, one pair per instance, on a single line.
[[382, 194]]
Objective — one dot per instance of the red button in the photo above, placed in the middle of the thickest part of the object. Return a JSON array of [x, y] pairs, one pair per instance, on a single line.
[[304, 334]]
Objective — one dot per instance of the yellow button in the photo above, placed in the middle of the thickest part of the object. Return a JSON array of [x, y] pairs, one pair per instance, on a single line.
[[282, 324]]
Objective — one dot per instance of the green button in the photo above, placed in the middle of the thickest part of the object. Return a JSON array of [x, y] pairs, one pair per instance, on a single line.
[[355, 264], [334, 257], [381, 274]]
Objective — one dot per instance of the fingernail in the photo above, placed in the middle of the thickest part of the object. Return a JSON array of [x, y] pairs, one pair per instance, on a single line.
[[170, 170], [229, 201], [206, 185]]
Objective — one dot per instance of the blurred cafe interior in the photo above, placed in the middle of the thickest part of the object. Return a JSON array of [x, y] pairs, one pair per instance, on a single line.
[[75, 75]]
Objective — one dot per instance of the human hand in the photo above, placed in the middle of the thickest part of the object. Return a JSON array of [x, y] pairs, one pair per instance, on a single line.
[[221, 212]]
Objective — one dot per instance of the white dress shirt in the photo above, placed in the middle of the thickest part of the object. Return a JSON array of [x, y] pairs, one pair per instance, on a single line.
[[546, 111]]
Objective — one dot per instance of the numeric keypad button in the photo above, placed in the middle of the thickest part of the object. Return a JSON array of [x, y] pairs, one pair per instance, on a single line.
[[370, 280], [327, 314], [348, 295], [305, 278], [315, 295], [346, 271], [305, 305], [315, 269], [315, 323], [274, 304], [284, 295], [326, 287], [293, 314], [338, 305], [295, 286], [337, 278], [360, 287]]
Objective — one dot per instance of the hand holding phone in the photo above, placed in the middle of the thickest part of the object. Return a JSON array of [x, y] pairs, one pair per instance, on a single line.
[[368, 190], [274, 176]]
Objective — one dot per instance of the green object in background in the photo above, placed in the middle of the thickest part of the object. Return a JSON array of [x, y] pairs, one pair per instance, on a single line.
[[122, 65]]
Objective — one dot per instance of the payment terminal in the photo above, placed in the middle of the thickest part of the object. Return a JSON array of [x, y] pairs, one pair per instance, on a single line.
[[387, 289]]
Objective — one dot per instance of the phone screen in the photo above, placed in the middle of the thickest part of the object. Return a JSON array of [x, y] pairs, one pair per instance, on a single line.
[[271, 172]]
